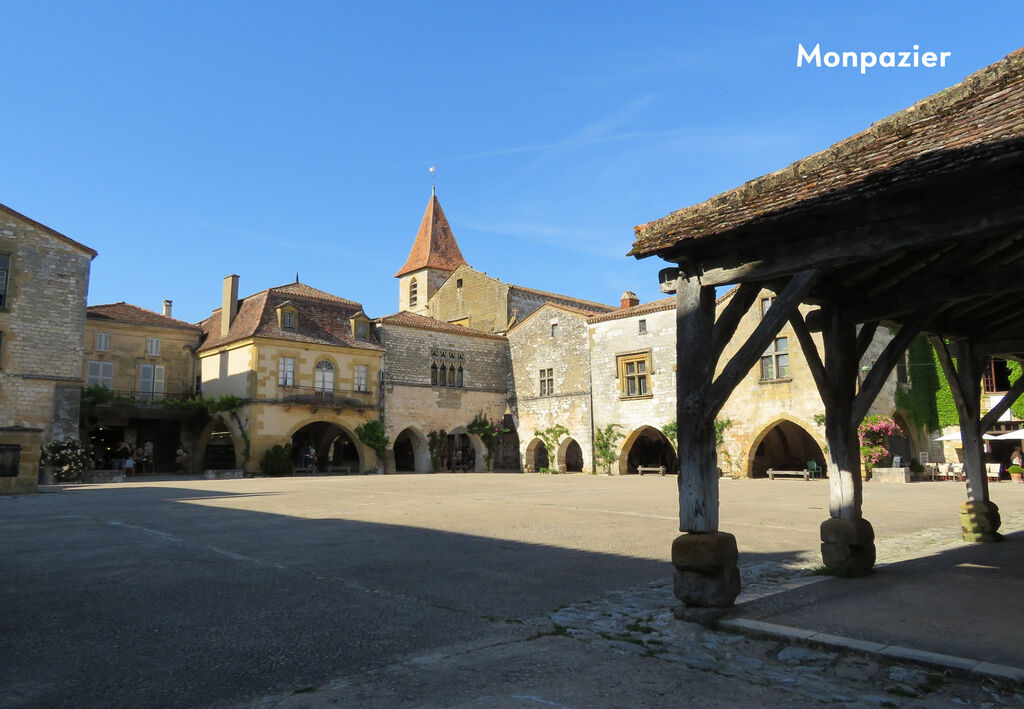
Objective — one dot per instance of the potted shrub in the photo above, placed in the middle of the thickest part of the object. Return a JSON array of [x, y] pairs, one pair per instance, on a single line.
[[1016, 473]]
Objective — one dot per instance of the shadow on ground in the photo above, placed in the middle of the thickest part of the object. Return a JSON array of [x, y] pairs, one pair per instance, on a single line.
[[128, 597]]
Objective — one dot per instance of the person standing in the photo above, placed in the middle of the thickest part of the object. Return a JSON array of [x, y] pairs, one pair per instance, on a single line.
[[1016, 457]]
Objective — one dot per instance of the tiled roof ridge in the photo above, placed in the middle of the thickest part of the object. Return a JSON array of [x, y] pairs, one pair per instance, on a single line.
[[170, 322], [653, 306], [649, 237], [311, 293], [586, 314], [548, 294], [406, 318], [435, 245], [49, 230]]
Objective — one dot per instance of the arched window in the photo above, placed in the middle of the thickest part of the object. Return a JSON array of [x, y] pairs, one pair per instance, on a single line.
[[442, 378], [451, 376], [412, 293], [460, 380], [323, 379], [433, 374]]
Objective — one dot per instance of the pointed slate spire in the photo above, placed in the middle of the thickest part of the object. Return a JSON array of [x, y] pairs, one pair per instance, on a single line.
[[435, 245]]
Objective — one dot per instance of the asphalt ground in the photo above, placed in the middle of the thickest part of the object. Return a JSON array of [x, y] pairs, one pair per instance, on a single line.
[[210, 593]]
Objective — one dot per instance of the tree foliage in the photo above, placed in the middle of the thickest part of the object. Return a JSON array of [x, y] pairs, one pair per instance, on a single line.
[[69, 458], [373, 437], [490, 432], [437, 442], [551, 437], [874, 433], [277, 461], [605, 446]]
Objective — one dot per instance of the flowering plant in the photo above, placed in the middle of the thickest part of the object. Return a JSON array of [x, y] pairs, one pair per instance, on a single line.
[[69, 458], [874, 433], [490, 433]]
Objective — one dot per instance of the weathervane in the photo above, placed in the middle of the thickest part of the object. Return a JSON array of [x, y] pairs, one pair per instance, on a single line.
[[433, 184]]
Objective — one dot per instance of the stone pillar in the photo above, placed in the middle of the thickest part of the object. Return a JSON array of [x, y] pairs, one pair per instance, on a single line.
[[707, 575]]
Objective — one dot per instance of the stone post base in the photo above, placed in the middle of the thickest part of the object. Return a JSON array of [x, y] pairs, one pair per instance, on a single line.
[[848, 546], [980, 521], [707, 578]]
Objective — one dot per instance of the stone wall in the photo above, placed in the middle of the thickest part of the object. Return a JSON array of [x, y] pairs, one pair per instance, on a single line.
[[481, 303], [614, 338], [567, 354], [127, 350], [42, 327]]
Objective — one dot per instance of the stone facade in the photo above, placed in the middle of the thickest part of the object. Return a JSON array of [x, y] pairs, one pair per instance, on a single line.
[[416, 399], [553, 340], [42, 325], [619, 337]]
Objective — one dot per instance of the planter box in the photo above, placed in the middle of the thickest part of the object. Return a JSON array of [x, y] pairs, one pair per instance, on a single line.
[[891, 475]]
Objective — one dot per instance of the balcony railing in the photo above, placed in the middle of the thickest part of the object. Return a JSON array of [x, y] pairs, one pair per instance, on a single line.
[[145, 398], [318, 397]]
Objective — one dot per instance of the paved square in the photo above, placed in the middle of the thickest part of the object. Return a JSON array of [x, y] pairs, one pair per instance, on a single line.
[[194, 593]]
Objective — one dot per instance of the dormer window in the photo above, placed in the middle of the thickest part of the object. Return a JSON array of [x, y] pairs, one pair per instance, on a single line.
[[287, 317]]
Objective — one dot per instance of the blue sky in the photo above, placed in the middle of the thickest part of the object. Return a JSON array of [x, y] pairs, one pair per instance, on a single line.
[[185, 141]]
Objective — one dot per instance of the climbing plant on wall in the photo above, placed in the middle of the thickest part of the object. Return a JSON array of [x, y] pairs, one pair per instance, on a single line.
[[918, 403]]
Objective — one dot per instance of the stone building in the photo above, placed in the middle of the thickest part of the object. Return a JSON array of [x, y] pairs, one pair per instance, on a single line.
[[44, 277], [305, 364], [438, 377], [769, 420], [143, 358], [550, 356]]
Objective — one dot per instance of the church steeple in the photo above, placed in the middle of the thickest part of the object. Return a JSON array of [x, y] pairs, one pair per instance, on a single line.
[[435, 246], [434, 256]]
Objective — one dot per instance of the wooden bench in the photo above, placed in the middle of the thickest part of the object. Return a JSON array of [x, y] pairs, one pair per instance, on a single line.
[[660, 470], [805, 474]]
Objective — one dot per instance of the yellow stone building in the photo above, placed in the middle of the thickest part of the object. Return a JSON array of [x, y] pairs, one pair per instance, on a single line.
[[144, 358], [307, 366]]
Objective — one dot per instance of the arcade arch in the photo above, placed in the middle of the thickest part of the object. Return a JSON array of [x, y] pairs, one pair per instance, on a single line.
[[783, 445], [649, 448]]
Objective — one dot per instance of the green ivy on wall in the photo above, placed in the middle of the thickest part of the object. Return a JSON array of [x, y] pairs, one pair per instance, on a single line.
[[1015, 373], [919, 404]]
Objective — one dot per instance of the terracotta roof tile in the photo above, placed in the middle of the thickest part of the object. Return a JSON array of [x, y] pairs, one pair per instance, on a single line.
[[982, 114], [435, 245], [132, 314], [421, 322], [655, 306], [323, 319]]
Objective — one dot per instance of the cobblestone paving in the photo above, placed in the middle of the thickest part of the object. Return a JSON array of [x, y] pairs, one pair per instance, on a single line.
[[641, 621]]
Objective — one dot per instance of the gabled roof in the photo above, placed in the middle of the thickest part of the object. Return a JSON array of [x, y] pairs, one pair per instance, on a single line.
[[323, 319], [52, 232], [435, 245], [655, 306], [134, 315], [421, 322], [974, 120], [588, 305], [578, 312]]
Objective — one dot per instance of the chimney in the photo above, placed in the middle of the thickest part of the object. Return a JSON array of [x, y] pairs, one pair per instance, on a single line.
[[629, 299], [167, 308], [229, 304]]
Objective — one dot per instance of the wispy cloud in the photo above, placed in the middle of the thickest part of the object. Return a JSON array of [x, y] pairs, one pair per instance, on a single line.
[[564, 237]]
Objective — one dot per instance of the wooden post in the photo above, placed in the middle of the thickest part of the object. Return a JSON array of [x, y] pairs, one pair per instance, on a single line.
[[707, 576], [841, 369], [979, 516], [698, 458]]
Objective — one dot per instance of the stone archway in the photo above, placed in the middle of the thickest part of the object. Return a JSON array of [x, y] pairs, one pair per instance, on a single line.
[[649, 448], [902, 446], [537, 457], [783, 445], [479, 451], [412, 452], [337, 448], [221, 431], [570, 456]]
